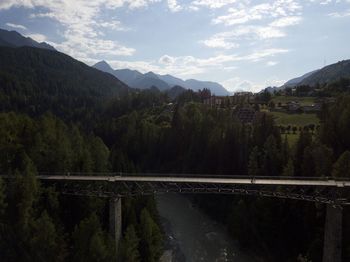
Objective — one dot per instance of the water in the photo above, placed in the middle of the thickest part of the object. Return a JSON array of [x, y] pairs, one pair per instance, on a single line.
[[195, 236]]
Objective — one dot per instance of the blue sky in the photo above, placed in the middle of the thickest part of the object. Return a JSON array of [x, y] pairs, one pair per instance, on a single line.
[[242, 44]]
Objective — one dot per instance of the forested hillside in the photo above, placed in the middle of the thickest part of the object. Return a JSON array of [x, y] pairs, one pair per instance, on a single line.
[[328, 74], [50, 106], [34, 80]]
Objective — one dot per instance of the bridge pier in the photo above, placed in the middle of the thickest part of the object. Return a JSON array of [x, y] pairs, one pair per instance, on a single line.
[[332, 245], [115, 220]]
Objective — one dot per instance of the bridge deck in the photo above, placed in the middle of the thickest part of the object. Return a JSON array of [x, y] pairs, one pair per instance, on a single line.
[[206, 180]]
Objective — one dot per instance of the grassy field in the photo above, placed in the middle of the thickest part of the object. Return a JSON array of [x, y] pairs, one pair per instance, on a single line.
[[303, 101], [303, 119]]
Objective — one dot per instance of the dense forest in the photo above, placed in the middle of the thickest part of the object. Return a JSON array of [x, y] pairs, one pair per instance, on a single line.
[[60, 115]]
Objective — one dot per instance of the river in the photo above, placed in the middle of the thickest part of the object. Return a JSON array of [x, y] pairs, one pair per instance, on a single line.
[[192, 236]]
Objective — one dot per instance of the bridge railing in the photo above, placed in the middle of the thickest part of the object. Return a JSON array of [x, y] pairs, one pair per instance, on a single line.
[[237, 175]]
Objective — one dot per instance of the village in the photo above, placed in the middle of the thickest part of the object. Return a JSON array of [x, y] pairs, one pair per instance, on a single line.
[[292, 105]]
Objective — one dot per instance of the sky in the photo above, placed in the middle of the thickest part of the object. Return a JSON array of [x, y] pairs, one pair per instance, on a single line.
[[241, 44]]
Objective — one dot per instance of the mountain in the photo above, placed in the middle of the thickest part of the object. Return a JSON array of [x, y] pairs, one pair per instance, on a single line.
[[148, 80], [15, 39], [172, 80], [325, 75], [136, 79], [296, 81], [214, 87], [103, 66], [328, 74], [35, 80], [127, 76]]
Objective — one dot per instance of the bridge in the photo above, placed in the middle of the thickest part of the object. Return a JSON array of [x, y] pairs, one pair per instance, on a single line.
[[323, 190], [334, 192]]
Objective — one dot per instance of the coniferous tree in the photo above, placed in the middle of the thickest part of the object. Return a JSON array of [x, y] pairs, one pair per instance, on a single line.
[[46, 243], [99, 155], [254, 163], [90, 242], [272, 161], [304, 141], [341, 167], [129, 246], [3, 203], [151, 243], [289, 169]]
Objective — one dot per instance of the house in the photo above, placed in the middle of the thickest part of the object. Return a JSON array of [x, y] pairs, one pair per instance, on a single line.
[[242, 98], [238, 98], [215, 101], [246, 115], [293, 106], [312, 108]]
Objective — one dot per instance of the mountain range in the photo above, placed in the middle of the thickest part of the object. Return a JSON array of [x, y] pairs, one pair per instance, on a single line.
[[15, 39], [136, 79]]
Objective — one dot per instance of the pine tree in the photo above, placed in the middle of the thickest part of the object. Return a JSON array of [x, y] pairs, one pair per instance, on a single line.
[[129, 246], [23, 193], [90, 242], [3, 203], [341, 168], [99, 154], [254, 163], [151, 238], [289, 169], [304, 141], [285, 150], [272, 162], [46, 243], [323, 159]]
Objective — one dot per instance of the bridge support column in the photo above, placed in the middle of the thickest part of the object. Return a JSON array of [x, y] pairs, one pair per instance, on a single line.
[[115, 220], [332, 246]]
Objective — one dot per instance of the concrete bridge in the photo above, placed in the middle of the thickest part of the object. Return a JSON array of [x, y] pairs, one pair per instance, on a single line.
[[334, 192]]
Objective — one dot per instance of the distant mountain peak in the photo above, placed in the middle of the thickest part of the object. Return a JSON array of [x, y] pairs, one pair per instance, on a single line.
[[151, 74], [103, 66], [103, 62]]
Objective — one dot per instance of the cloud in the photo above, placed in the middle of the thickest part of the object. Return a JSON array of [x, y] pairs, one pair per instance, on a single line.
[[82, 24], [7, 4], [114, 25], [166, 60], [219, 41], [212, 4], [174, 6], [271, 63], [245, 13], [286, 21], [190, 66], [16, 26], [340, 14], [236, 84], [270, 52], [37, 37], [230, 39]]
